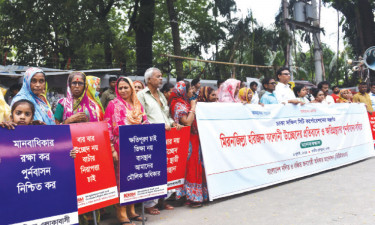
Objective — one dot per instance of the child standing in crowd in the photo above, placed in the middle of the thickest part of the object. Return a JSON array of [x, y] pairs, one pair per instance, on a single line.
[[301, 91]]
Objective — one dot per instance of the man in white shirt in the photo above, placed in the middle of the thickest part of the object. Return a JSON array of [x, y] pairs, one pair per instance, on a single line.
[[324, 87], [283, 92], [254, 87]]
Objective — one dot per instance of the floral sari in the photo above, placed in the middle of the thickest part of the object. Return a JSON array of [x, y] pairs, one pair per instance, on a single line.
[[82, 104], [119, 112], [195, 187]]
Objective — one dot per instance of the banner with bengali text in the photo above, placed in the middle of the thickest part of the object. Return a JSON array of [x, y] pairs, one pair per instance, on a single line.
[[37, 181], [143, 163], [372, 124], [177, 153], [95, 175], [247, 147]]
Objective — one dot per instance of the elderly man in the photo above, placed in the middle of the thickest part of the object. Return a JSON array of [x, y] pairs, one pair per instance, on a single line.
[[157, 111]]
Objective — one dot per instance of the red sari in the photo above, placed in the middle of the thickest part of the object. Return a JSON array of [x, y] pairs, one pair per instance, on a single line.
[[195, 187]]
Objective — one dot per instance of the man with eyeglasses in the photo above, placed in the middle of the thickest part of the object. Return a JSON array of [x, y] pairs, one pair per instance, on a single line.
[[283, 92], [269, 96]]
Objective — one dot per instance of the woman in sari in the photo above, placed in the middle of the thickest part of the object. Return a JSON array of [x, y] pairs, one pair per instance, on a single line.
[[33, 89], [228, 91], [207, 94], [125, 109], [344, 96], [77, 106], [183, 112], [245, 95]]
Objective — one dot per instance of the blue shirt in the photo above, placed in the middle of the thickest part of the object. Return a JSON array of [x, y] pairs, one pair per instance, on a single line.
[[269, 98]]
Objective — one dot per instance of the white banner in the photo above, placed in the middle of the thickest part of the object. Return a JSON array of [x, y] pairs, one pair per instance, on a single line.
[[246, 147]]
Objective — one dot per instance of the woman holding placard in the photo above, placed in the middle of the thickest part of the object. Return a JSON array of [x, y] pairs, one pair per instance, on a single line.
[[125, 109], [183, 112], [77, 106]]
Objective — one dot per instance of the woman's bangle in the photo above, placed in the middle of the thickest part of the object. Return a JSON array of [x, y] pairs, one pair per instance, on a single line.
[[193, 111]]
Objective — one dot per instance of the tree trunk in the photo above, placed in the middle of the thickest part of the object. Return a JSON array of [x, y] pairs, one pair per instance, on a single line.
[[176, 38], [107, 40], [365, 27], [144, 30]]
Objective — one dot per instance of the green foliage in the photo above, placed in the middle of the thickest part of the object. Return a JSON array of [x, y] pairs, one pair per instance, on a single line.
[[91, 32]]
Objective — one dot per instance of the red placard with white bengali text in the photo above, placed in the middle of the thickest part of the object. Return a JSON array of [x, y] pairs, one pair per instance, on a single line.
[[372, 124], [177, 153], [95, 175]]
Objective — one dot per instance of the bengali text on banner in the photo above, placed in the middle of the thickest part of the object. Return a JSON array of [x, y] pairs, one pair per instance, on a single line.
[[177, 153], [246, 147], [143, 163], [95, 176], [37, 174]]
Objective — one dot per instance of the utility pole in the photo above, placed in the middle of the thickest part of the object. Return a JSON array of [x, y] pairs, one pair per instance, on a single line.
[[288, 56], [318, 62]]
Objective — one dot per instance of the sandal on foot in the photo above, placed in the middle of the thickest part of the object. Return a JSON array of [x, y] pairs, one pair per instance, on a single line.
[[196, 205], [137, 218], [126, 222], [152, 211], [168, 207]]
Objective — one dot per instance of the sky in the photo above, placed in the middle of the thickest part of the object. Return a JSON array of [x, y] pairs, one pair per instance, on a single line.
[[264, 11]]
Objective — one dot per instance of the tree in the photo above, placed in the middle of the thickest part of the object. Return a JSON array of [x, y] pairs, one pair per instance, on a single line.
[[142, 21], [173, 20], [101, 9], [359, 26]]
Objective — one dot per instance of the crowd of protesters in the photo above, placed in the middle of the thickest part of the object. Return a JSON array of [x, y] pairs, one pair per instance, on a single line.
[[127, 102]]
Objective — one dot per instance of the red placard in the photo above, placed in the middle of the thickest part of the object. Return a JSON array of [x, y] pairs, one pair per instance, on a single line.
[[177, 152], [372, 124], [95, 175]]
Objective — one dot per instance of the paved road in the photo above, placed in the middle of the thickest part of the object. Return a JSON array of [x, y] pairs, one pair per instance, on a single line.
[[341, 196]]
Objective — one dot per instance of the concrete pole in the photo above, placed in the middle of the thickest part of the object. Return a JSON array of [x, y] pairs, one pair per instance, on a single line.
[[288, 57], [317, 51]]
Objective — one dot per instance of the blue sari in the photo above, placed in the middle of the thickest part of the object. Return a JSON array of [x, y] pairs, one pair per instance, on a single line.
[[43, 110]]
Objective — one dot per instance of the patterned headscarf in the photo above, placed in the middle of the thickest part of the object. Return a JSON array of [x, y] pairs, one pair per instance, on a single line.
[[93, 84], [341, 98], [179, 105], [204, 94], [139, 82], [43, 110], [179, 95], [133, 114], [82, 104], [4, 109], [243, 94], [227, 89]]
